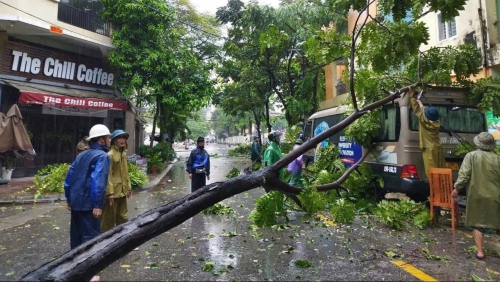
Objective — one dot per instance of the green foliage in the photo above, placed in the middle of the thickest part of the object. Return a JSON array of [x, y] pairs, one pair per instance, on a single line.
[[242, 150], [303, 263], [218, 209], [312, 200], [137, 177], [162, 63], [286, 147], [267, 208], [198, 126], [233, 173], [162, 150], [50, 179], [422, 219], [343, 211], [396, 214], [486, 91], [155, 161]]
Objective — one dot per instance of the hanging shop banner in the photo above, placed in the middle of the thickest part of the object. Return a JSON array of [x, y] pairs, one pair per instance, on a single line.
[[71, 102]]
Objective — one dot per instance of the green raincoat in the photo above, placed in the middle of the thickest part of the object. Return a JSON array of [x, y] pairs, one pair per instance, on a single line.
[[272, 155], [480, 174], [430, 144]]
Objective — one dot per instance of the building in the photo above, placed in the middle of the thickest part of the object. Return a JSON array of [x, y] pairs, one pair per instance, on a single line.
[[53, 64], [477, 24]]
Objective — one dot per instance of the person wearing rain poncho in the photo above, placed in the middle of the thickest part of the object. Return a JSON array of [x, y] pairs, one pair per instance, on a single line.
[[428, 131], [273, 152], [480, 174], [295, 167]]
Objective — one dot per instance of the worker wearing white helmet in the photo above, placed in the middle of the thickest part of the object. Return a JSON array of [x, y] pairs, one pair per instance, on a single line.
[[85, 185]]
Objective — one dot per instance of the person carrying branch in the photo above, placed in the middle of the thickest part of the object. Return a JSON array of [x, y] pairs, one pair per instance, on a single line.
[[428, 130]]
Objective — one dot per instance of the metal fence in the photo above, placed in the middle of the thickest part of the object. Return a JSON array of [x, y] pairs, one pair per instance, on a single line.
[[82, 19]]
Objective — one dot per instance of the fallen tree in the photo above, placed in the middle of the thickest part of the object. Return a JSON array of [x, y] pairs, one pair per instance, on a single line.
[[95, 255]]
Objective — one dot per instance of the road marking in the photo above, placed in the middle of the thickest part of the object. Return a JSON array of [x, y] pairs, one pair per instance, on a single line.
[[414, 271], [325, 220]]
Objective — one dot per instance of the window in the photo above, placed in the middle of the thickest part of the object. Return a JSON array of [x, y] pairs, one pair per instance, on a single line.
[[461, 120], [446, 30], [330, 121], [389, 123]]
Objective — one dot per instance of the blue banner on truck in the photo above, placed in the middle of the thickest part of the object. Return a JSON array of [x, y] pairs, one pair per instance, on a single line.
[[350, 152]]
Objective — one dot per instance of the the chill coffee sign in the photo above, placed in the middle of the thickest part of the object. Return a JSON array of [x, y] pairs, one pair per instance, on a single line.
[[60, 69]]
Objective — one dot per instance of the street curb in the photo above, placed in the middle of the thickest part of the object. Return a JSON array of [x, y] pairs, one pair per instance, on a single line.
[[159, 177], [61, 197]]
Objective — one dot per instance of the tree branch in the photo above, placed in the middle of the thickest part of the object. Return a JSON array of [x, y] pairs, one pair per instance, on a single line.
[[379, 23], [356, 33], [337, 183], [311, 143]]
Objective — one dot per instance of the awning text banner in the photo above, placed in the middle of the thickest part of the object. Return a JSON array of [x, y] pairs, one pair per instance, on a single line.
[[71, 102]]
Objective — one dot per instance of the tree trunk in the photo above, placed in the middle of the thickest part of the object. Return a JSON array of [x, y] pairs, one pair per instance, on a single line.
[[268, 118], [155, 118], [87, 260]]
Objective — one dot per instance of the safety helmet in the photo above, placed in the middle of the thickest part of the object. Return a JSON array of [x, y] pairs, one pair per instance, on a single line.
[[273, 136], [98, 130], [117, 133]]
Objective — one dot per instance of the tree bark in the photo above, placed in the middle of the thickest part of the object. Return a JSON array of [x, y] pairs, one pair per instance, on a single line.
[[87, 260], [95, 255], [155, 118]]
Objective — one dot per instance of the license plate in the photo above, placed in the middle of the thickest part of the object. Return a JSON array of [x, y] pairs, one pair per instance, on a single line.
[[452, 165]]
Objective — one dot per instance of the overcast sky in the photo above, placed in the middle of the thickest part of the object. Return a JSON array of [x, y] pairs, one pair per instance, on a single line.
[[211, 6]]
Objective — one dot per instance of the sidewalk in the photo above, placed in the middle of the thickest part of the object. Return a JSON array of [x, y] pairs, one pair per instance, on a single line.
[[11, 193]]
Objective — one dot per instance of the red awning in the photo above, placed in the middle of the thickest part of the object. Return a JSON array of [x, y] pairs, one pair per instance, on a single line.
[[71, 102], [39, 94]]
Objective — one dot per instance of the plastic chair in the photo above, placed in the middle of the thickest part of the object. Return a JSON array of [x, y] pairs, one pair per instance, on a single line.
[[441, 186]]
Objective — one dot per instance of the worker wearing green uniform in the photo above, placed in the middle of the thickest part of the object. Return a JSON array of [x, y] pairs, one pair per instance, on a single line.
[[428, 131]]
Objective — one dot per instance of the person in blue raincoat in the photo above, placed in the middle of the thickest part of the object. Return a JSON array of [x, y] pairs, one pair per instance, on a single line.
[[85, 185], [198, 165]]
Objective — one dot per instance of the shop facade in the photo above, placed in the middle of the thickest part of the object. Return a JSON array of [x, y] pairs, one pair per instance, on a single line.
[[61, 95]]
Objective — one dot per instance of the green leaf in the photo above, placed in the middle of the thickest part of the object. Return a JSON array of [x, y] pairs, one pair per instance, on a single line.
[[208, 266], [303, 263]]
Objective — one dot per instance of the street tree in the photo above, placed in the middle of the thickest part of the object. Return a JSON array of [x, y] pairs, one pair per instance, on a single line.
[[163, 61], [370, 87]]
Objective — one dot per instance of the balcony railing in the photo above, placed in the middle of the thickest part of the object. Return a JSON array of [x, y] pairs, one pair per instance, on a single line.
[[82, 19]]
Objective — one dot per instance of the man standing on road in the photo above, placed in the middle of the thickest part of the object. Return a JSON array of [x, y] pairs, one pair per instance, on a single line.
[[480, 174], [115, 210], [84, 188], [255, 156], [198, 165], [428, 130]]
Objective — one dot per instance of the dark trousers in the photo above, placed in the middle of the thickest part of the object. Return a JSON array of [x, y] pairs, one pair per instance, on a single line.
[[199, 180], [84, 227]]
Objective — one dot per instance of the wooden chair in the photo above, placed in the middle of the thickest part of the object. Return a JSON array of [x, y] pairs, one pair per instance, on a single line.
[[440, 188]]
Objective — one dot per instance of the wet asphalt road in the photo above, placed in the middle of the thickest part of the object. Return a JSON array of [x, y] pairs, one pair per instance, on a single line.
[[229, 250]]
